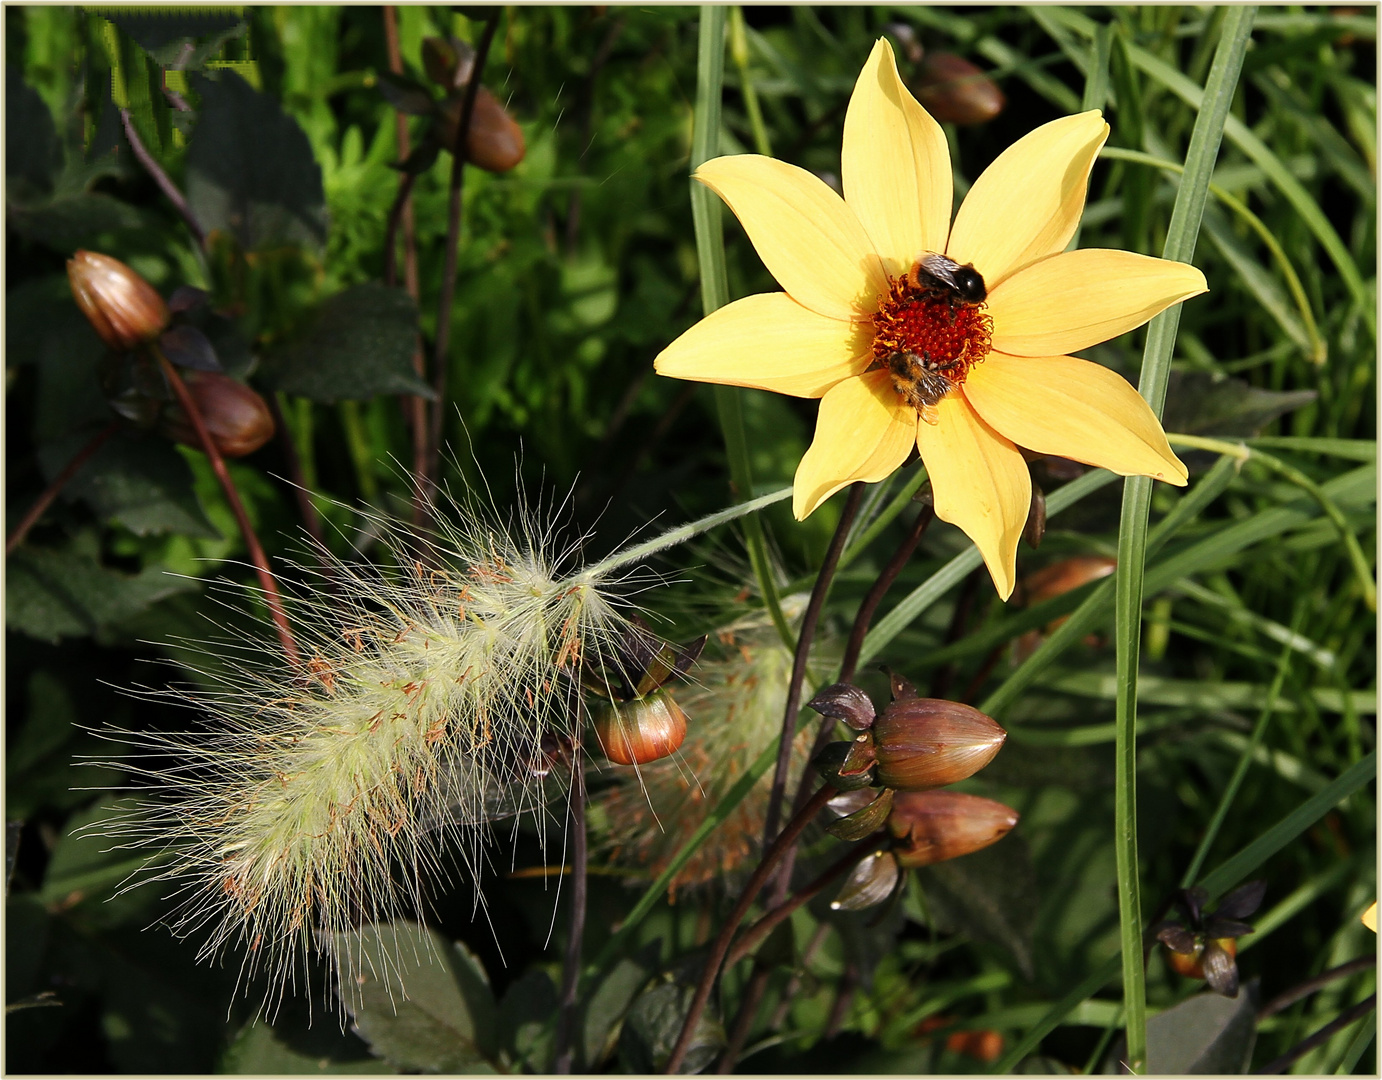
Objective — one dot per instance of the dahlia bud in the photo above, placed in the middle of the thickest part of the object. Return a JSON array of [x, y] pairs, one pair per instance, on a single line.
[[120, 305], [951, 88], [237, 418], [932, 826], [1067, 574], [637, 732], [495, 141], [925, 743]]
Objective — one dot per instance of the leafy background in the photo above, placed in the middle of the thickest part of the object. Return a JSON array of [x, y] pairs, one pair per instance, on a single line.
[[574, 270]]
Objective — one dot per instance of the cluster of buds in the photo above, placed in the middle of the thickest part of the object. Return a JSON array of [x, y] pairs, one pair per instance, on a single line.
[[494, 141], [1205, 944], [888, 776], [636, 720], [137, 326]]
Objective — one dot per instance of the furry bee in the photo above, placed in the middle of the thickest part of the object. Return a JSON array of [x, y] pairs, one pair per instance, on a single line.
[[943, 278], [918, 379]]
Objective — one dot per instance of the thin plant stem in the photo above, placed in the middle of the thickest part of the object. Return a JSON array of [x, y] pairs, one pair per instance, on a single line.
[[739, 49], [706, 214], [755, 934], [237, 507], [59, 482], [1285, 1000], [311, 519], [808, 633], [721, 945], [794, 983], [1182, 233], [1322, 1036], [749, 1001], [880, 587], [440, 360], [571, 965], [414, 405], [165, 185]]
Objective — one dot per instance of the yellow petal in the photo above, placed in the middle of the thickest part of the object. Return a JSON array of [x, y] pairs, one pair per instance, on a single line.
[[1073, 409], [895, 165], [804, 233], [770, 342], [1027, 204], [1370, 917], [980, 483], [1080, 298], [863, 432]]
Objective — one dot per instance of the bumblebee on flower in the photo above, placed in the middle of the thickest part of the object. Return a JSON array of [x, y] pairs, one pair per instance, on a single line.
[[953, 338]]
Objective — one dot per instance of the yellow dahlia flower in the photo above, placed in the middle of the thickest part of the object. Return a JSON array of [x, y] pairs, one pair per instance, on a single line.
[[909, 351]]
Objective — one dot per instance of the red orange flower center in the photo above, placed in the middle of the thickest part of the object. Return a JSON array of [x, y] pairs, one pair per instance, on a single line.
[[927, 341]]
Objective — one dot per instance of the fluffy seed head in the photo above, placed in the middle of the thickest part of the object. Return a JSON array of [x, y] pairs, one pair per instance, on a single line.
[[431, 703]]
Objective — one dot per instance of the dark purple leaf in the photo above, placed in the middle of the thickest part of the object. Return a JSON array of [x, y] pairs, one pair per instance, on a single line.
[[187, 347], [1242, 901]]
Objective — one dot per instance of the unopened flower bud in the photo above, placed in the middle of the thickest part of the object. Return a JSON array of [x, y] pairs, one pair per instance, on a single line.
[[120, 305], [951, 88], [1213, 961], [1067, 574], [237, 418], [932, 826], [495, 141], [925, 743], [640, 731]]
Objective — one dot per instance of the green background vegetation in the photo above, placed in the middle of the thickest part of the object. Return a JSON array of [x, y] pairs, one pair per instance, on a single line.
[[575, 269]]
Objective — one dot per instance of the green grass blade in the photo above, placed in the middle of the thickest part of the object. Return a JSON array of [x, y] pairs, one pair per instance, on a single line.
[[706, 213], [1132, 532]]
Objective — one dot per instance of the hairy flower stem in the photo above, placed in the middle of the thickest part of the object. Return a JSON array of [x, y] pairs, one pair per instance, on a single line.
[[720, 948], [59, 482], [879, 589], [808, 633], [165, 185], [218, 466], [571, 966], [440, 360]]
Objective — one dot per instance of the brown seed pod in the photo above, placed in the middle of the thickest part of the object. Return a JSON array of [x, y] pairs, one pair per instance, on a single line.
[[495, 141], [923, 743], [120, 305], [953, 89], [237, 418], [637, 732], [932, 826]]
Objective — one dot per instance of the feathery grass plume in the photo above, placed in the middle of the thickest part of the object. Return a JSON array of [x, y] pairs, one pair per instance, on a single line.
[[735, 701], [432, 702]]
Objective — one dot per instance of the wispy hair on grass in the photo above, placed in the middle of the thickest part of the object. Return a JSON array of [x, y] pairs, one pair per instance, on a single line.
[[431, 702]]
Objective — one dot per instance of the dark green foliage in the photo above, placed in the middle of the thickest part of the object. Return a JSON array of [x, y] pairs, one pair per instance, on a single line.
[[573, 271]]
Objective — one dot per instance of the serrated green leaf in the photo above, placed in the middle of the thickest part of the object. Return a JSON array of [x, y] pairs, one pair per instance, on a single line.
[[139, 480], [524, 1014], [358, 344], [250, 169], [990, 895], [52, 594], [261, 1050], [654, 1023], [33, 154], [77, 221], [421, 1002], [610, 1000]]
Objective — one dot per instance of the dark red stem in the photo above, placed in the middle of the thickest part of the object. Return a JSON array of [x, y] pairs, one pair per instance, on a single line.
[[59, 482]]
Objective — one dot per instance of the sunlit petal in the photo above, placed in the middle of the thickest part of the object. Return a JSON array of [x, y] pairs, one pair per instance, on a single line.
[[980, 483], [1080, 298], [1027, 204], [1074, 409], [771, 342], [863, 432], [804, 233], [895, 165]]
